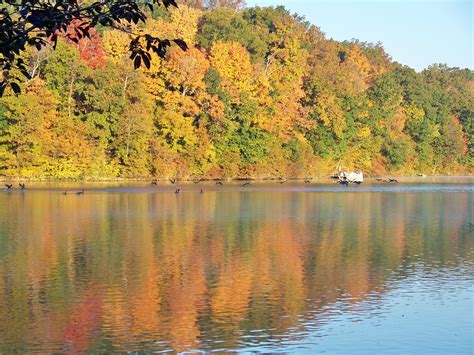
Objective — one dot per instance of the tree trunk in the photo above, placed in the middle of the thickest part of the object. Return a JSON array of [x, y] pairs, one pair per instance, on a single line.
[[69, 97], [125, 84]]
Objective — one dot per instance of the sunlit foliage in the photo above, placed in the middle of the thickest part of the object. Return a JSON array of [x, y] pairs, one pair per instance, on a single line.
[[259, 93]]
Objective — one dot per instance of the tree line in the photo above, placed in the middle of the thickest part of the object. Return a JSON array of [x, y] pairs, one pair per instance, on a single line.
[[259, 92]]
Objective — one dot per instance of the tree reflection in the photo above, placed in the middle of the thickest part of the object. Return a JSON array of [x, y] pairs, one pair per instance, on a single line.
[[150, 271]]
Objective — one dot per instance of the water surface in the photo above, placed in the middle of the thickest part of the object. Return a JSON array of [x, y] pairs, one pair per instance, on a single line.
[[291, 268]]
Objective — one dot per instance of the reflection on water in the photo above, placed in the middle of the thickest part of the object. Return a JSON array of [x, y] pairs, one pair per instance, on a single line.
[[295, 270]]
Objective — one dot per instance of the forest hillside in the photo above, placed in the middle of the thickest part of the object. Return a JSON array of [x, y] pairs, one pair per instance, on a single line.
[[260, 93]]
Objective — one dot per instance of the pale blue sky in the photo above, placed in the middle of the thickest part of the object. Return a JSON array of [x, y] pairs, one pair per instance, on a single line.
[[414, 32]]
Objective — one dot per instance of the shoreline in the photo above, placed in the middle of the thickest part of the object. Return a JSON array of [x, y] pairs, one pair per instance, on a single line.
[[322, 180]]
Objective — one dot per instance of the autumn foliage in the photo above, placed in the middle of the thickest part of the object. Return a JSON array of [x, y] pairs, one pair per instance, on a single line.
[[259, 93]]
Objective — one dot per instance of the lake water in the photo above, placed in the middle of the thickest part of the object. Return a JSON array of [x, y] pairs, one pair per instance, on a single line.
[[270, 268]]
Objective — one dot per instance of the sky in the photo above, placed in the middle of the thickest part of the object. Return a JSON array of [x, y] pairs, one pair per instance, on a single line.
[[416, 33]]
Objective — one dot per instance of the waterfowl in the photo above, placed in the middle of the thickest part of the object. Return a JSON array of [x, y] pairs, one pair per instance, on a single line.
[[173, 181], [177, 191], [343, 182], [196, 181], [246, 184], [22, 186], [202, 191], [392, 180], [9, 186], [154, 182], [80, 192], [307, 181], [64, 192], [283, 182], [220, 183]]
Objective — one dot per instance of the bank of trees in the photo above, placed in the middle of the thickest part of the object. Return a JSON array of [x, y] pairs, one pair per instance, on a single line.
[[259, 93]]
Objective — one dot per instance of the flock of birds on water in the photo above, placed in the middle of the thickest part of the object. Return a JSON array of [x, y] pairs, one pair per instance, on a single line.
[[218, 183], [22, 186], [281, 181]]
